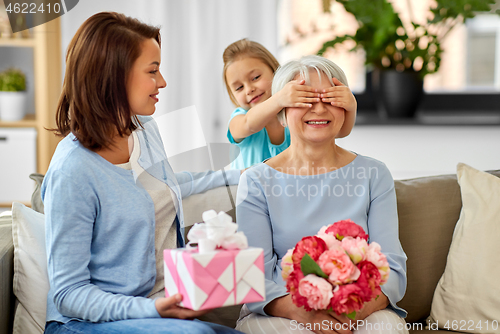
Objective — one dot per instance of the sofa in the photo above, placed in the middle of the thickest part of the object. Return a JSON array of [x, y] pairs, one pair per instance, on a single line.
[[428, 209]]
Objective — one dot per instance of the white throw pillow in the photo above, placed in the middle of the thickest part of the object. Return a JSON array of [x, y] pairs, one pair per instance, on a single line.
[[466, 297], [31, 283]]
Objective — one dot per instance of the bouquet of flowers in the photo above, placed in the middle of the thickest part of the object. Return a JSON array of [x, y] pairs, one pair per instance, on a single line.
[[335, 270]]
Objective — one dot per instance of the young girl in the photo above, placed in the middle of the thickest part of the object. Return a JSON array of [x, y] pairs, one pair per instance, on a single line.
[[254, 128], [111, 199]]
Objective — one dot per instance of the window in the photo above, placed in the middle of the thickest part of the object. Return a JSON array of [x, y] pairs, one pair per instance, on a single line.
[[469, 75], [483, 52]]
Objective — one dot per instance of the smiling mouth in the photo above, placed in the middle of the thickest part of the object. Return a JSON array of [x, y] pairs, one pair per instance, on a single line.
[[255, 98], [154, 97], [318, 122]]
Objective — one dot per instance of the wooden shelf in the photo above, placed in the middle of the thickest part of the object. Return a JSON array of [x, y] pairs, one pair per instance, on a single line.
[[45, 46], [9, 205], [28, 122], [17, 42]]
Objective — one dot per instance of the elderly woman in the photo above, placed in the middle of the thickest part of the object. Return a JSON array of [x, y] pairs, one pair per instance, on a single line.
[[311, 184]]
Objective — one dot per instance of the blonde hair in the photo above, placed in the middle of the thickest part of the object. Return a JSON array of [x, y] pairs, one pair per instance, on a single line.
[[246, 48], [290, 70]]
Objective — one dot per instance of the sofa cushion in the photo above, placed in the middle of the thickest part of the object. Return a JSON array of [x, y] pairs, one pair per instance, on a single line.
[[467, 293], [6, 273], [36, 197], [31, 283], [219, 199], [428, 209]]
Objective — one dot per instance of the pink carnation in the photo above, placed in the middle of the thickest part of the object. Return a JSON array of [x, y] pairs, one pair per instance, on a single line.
[[346, 228], [375, 256], [313, 246], [317, 291], [287, 264], [330, 240], [292, 286], [347, 298], [338, 266], [356, 248], [355, 269], [369, 280]]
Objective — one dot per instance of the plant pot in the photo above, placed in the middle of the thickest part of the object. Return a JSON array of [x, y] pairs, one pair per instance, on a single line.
[[12, 106], [398, 94]]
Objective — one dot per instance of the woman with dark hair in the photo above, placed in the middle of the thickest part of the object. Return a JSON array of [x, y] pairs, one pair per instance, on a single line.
[[111, 198]]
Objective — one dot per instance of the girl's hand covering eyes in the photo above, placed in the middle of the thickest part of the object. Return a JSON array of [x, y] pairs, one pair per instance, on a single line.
[[339, 96], [297, 94]]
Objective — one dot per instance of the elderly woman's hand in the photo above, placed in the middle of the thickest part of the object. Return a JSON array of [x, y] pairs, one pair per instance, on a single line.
[[320, 322], [380, 303]]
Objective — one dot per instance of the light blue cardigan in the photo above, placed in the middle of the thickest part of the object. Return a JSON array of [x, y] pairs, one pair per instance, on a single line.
[[275, 210], [100, 228]]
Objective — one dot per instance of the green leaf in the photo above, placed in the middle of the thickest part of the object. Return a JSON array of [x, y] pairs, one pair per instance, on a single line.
[[351, 315], [309, 266], [12, 80], [378, 23], [332, 43]]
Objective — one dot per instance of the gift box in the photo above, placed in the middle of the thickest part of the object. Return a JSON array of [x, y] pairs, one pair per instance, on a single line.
[[215, 278]]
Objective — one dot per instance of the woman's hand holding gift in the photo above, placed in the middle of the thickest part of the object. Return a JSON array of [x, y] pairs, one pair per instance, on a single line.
[[169, 308]]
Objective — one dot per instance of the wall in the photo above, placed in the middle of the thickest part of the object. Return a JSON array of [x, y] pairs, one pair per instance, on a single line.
[[422, 150]]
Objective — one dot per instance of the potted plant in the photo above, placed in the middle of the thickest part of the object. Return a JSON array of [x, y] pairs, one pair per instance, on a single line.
[[401, 54], [12, 95]]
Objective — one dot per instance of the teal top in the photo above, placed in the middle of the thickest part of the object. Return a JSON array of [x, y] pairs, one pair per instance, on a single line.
[[254, 148]]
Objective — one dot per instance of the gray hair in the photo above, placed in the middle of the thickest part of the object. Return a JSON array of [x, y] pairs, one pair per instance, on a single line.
[[290, 70]]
